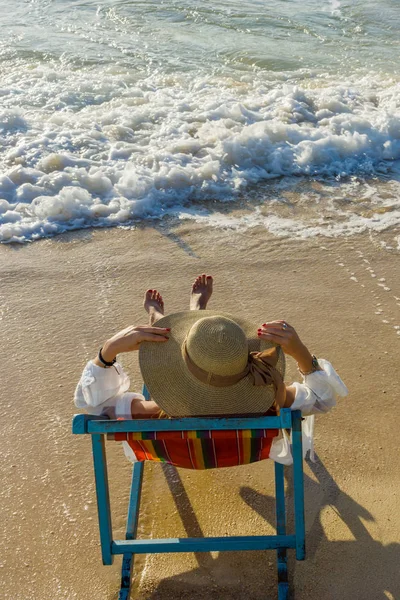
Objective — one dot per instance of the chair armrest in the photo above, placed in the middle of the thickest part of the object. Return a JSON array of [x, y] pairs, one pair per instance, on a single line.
[[80, 422]]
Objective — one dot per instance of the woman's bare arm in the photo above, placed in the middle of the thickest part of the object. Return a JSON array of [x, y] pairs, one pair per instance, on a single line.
[[280, 332], [129, 340]]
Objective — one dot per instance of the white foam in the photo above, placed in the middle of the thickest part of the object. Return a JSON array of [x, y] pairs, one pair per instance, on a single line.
[[143, 149]]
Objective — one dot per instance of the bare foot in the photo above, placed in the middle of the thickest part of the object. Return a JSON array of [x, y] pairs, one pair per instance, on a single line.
[[154, 305], [201, 292]]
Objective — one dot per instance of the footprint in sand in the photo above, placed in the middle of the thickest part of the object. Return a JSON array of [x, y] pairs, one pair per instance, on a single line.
[[381, 283]]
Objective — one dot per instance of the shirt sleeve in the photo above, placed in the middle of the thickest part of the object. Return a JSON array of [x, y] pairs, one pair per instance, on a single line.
[[317, 394], [99, 389], [319, 391]]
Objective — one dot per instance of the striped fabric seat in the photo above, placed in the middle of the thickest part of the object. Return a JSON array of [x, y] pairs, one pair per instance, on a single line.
[[201, 449]]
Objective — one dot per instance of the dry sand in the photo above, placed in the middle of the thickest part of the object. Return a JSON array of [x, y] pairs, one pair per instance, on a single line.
[[61, 298]]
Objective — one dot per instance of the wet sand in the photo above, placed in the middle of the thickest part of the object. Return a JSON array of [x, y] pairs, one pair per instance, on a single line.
[[61, 298]]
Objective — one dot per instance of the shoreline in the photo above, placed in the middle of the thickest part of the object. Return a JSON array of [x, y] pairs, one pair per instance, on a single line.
[[61, 297]]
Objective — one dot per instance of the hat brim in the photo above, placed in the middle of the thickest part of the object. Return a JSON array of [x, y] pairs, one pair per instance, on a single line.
[[180, 394]]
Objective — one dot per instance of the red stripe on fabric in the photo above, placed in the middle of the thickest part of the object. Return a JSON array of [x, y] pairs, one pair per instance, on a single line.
[[227, 453], [135, 446], [266, 448], [179, 453], [226, 434], [190, 450], [215, 454], [238, 448]]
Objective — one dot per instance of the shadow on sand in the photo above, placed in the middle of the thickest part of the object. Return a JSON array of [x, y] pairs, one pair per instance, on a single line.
[[362, 569]]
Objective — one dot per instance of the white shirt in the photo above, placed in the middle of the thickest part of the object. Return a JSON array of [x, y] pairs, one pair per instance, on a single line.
[[99, 389]]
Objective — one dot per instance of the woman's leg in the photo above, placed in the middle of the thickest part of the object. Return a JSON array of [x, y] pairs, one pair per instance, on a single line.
[[201, 292], [154, 306]]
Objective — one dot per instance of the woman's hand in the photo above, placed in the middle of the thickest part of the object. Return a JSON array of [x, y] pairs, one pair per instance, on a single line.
[[286, 336], [129, 339]]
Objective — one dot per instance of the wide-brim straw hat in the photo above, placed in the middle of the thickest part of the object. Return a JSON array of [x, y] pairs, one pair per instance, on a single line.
[[217, 343]]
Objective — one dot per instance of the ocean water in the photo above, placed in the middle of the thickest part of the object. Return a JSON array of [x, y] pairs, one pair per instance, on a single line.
[[114, 112]]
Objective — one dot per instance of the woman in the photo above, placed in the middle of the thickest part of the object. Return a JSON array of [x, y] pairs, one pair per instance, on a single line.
[[184, 380]]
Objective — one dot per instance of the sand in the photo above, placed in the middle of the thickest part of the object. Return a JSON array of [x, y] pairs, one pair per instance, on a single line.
[[61, 298]]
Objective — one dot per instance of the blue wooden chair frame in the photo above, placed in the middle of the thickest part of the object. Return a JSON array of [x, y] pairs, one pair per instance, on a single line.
[[98, 427]]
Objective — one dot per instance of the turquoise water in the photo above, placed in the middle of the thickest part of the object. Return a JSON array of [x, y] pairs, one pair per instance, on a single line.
[[114, 111], [210, 37]]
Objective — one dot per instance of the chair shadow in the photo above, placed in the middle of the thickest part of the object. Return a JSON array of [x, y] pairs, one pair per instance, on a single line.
[[363, 569], [224, 577], [186, 512], [344, 566]]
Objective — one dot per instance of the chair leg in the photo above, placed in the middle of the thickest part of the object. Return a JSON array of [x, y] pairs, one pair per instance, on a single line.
[[103, 497], [131, 523], [131, 529], [283, 586], [298, 486]]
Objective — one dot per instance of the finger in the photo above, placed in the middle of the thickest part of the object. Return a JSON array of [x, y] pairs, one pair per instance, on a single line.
[[278, 327], [270, 337], [280, 330], [155, 330], [151, 337], [274, 323], [283, 322], [127, 330], [277, 334]]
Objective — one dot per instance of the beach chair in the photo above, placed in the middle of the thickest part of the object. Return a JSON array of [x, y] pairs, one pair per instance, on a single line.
[[100, 428]]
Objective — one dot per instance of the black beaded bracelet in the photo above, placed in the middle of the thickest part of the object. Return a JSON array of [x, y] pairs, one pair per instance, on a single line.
[[105, 363]]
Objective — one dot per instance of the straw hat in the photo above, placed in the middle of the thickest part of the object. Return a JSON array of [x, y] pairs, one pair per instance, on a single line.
[[202, 369]]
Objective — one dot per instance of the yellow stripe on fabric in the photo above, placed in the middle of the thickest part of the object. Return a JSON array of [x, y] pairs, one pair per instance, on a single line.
[[192, 435], [198, 454], [246, 433], [246, 445], [148, 444]]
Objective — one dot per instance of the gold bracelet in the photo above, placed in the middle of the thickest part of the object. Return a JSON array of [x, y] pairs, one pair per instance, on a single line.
[[314, 364]]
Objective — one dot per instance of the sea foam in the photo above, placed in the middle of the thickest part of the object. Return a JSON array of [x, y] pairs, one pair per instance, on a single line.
[[103, 149]]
